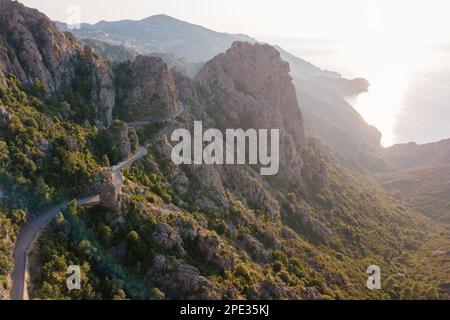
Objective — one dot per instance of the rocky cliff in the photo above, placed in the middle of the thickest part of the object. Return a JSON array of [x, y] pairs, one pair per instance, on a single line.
[[146, 90], [118, 142], [32, 48], [249, 86]]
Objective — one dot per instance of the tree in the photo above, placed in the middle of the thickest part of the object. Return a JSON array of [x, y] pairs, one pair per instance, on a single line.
[[72, 208], [106, 233], [158, 294], [133, 237], [120, 295], [105, 161]]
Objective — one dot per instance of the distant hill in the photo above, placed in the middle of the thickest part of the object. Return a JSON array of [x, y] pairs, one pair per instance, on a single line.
[[410, 155], [111, 52], [161, 33], [121, 53], [421, 177]]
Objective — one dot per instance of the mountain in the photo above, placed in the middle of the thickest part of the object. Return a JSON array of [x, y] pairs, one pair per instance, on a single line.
[[160, 33], [166, 231], [322, 93]]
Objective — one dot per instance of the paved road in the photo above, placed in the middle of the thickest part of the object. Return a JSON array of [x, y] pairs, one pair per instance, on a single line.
[[31, 230]]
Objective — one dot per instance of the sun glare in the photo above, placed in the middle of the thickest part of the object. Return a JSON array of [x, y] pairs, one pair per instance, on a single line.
[[389, 64]]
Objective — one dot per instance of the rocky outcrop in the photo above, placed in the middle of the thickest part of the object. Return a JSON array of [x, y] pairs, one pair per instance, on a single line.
[[328, 116], [103, 94], [167, 237], [216, 251], [147, 90], [255, 248], [271, 289], [249, 87], [119, 141], [313, 294], [126, 139], [32, 47], [181, 280], [109, 194], [344, 87]]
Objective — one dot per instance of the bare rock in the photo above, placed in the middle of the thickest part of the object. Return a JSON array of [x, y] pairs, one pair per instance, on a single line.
[[249, 86], [216, 252], [32, 48], [167, 237], [179, 280], [122, 138], [255, 248], [109, 194], [151, 91], [313, 294], [271, 289]]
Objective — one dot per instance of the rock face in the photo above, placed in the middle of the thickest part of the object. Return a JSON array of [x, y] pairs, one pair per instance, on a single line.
[[119, 141], [328, 116], [167, 237], [127, 139], [103, 94], [181, 280], [271, 289], [32, 47], [109, 194], [249, 87], [146, 90]]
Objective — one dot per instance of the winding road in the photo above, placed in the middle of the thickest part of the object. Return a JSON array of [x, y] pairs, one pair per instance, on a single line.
[[31, 230]]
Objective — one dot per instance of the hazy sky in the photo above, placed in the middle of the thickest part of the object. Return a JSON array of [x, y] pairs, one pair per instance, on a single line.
[[418, 20]]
